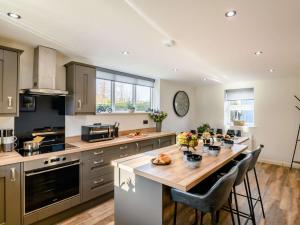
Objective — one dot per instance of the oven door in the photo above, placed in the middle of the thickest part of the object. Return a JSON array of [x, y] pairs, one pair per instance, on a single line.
[[50, 185]]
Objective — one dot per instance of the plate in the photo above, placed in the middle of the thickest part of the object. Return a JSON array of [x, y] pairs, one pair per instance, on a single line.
[[159, 164]]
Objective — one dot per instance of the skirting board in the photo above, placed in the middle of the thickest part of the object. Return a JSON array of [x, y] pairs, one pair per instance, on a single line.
[[280, 163]]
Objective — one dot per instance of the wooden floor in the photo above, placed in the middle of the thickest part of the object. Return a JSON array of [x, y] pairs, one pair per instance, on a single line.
[[280, 190]]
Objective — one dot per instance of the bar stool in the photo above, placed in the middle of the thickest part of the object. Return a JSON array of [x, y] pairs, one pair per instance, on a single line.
[[243, 166], [255, 154], [207, 201]]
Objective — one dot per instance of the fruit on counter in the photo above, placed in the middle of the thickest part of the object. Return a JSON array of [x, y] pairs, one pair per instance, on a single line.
[[135, 134], [187, 139], [206, 135]]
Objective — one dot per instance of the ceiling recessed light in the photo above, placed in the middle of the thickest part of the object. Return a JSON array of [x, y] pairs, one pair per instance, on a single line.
[[271, 70], [175, 69], [125, 53], [258, 53], [204, 79], [14, 15], [230, 13]]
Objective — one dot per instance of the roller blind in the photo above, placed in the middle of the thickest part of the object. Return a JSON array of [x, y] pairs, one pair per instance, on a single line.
[[117, 76], [239, 94]]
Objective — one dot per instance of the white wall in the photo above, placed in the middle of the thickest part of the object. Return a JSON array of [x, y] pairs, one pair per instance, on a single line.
[[173, 122], [276, 118]]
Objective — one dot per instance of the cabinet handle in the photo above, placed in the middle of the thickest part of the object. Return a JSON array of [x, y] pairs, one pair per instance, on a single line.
[[9, 98], [98, 162], [98, 153], [79, 104], [98, 181], [122, 148], [137, 146], [159, 142], [13, 174]]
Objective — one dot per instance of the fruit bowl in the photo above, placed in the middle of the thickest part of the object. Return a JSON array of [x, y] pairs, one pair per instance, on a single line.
[[187, 139]]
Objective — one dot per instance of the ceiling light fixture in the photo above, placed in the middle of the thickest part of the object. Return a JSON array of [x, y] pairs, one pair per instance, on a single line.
[[125, 53], [14, 15], [230, 13], [175, 69], [258, 53], [204, 79], [271, 70]]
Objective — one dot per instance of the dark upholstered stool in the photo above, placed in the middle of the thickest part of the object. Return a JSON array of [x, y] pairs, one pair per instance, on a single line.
[[255, 154], [209, 202], [243, 166]]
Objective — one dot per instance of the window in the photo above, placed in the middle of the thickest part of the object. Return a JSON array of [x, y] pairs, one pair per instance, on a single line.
[[115, 92], [123, 96], [104, 95], [143, 98], [239, 105]]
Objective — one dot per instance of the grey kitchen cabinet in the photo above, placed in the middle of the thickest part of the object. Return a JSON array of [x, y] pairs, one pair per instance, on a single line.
[[166, 141], [97, 171], [9, 81], [147, 145], [81, 85], [10, 195]]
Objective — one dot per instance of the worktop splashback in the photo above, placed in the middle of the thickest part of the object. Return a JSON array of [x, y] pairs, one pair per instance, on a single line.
[[38, 113]]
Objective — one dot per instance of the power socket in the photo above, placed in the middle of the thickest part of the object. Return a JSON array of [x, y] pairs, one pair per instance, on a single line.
[[145, 121]]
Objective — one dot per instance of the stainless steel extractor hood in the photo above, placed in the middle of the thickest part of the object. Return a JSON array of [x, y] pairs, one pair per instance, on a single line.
[[44, 76]]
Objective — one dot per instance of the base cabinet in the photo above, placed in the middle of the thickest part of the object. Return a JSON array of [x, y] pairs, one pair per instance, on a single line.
[[97, 171], [10, 195]]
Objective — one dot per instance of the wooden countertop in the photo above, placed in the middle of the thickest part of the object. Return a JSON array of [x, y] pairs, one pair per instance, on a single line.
[[14, 157], [177, 174]]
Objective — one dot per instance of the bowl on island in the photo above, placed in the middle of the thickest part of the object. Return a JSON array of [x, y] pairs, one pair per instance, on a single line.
[[193, 160], [228, 143], [214, 150], [185, 154]]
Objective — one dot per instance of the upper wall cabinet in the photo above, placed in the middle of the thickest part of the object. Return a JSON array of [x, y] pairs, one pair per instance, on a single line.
[[9, 81], [81, 84]]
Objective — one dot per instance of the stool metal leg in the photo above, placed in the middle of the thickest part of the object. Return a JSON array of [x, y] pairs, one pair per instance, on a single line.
[[249, 197], [257, 184], [196, 217], [231, 212], [201, 218], [236, 206], [213, 218], [175, 213]]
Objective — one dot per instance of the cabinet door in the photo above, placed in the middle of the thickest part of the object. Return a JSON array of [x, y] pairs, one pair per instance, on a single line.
[[10, 83], [85, 89], [166, 141], [148, 145], [10, 207]]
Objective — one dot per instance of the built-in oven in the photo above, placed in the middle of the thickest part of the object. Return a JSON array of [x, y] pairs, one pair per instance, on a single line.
[[51, 184]]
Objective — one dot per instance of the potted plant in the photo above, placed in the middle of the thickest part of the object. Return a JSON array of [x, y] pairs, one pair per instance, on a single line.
[[130, 108], [158, 116], [204, 128]]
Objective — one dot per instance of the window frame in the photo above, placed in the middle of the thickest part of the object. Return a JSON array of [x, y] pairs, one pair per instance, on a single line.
[[113, 97], [227, 110]]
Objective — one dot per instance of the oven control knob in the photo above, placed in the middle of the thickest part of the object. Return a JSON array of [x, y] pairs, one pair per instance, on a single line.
[[46, 162], [64, 159]]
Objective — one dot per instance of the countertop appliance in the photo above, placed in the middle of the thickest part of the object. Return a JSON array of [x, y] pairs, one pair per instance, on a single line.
[[49, 182], [99, 132]]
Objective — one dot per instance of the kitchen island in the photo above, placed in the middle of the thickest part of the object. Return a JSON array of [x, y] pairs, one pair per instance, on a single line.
[[142, 190]]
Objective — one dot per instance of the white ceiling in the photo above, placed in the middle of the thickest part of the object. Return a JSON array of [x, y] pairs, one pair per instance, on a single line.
[[207, 43]]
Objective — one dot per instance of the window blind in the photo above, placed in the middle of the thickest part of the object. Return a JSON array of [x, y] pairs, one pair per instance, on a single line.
[[239, 94], [117, 76]]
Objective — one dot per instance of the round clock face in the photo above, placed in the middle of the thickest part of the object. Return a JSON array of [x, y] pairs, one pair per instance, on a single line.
[[181, 103]]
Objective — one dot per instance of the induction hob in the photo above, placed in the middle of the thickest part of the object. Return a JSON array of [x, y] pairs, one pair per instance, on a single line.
[[46, 149]]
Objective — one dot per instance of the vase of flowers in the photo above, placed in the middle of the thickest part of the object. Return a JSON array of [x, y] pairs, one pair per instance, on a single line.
[[158, 116]]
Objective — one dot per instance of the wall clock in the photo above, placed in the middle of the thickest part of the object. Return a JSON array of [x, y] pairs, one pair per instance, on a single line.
[[181, 103]]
